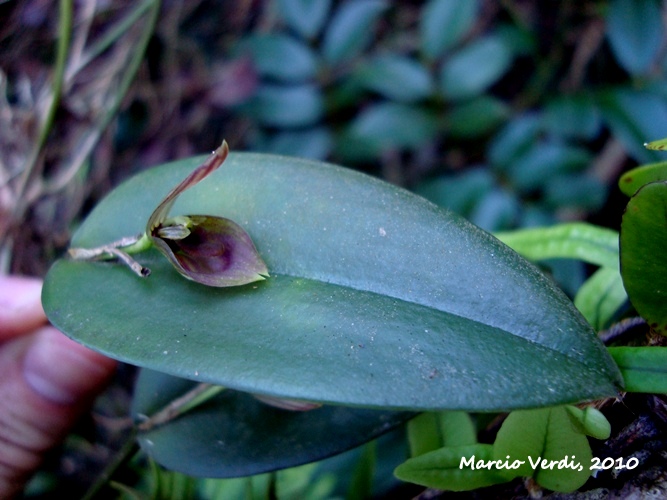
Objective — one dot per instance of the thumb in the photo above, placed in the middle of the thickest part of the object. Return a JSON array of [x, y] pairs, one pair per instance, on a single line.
[[46, 382]]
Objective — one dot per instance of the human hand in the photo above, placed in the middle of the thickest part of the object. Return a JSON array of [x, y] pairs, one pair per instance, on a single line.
[[46, 382]]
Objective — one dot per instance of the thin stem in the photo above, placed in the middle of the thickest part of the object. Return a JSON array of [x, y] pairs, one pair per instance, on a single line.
[[127, 451], [197, 395], [72, 167], [135, 244], [110, 37], [132, 244], [64, 35]]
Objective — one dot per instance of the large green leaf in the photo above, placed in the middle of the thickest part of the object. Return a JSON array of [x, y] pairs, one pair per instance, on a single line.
[[376, 298], [235, 435], [643, 243]]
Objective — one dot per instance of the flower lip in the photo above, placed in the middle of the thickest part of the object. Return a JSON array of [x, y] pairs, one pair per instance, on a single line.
[[215, 252]]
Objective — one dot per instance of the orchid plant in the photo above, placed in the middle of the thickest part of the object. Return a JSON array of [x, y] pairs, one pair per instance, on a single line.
[[210, 250]]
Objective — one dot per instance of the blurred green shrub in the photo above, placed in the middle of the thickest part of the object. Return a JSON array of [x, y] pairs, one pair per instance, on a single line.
[[523, 107]]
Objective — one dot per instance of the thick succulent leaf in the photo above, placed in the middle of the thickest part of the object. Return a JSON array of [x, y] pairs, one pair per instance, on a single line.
[[442, 469], [643, 243], [376, 298], [644, 368], [589, 421], [657, 145], [631, 181], [600, 298], [235, 435], [545, 434], [432, 430]]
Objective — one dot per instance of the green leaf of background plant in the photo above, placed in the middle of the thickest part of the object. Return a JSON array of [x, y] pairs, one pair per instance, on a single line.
[[441, 469], [271, 51], [315, 143], [590, 421], [545, 160], [635, 33], [633, 116], [390, 125], [458, 429], [547, 433], [643, 244], [477, 117], [644, 368], [351, 29], [459, 192], [432, 430], [573, 240], [286, 105], [235, 435], [601, 296], [475, 67], [396, 77], [581, 191], [513, 140], [497, 210], [443, 23], [631, 181], [376, 297], [305, 16], [573, 116]]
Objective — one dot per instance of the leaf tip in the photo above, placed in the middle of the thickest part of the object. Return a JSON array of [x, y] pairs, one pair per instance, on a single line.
[[222, 151]]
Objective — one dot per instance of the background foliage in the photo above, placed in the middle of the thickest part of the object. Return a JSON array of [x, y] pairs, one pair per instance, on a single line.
[[514, 114]]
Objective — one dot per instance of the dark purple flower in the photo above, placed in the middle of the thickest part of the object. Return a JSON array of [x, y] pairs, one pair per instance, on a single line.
[[210, 250]]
